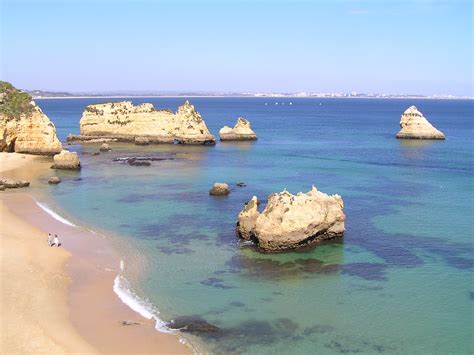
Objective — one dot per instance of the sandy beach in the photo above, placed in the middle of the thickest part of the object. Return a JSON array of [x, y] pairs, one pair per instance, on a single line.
[[61, 300]]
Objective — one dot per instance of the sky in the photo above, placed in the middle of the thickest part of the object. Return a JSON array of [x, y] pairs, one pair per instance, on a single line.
[[397, 47]]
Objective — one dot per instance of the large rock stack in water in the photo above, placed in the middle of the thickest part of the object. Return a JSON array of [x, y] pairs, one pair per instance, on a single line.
[[241, 131], [125, 122], [415, 126], [24, 128], [292, 221]]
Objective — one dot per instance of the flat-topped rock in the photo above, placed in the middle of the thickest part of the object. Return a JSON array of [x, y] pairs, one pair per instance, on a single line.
[[66, 160], [24, 128], [415, 126], [125, 122], [13, 184], [292, 221], [241, 131]]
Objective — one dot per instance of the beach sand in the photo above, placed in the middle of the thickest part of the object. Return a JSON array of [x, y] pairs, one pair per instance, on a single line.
[[61, 300]]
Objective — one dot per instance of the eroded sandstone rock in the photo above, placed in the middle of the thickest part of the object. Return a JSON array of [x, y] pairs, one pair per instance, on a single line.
[[13, 184], [105, 148], [415, 126], [292, 221], [219, 189], [24, 128], [66, 160], [53, 180], [128, 123], [241, 131]]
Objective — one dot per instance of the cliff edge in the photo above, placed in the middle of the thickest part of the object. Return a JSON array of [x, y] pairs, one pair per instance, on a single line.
[[24, 128], [125, 122]]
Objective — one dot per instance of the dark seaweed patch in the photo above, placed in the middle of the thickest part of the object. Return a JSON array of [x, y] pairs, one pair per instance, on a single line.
[[215, 282], [175, 250], [367, 271], [318, 329], [236, 304]]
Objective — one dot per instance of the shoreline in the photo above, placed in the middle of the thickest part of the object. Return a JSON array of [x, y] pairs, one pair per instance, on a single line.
[[250, 97], [91, 265]]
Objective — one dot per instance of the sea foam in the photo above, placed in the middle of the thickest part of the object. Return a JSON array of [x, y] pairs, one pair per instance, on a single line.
[[138, 305], [53, 214]]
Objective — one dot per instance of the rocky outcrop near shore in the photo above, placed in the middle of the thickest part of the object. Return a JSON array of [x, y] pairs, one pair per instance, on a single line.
[[415, 126], [241, 131], [219, 189], [122, 121], [66, 160], [292, 221], [24, 128], [12, 184]]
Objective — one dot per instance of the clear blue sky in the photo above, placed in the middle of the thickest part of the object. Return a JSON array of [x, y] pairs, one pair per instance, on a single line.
[[417, 46]]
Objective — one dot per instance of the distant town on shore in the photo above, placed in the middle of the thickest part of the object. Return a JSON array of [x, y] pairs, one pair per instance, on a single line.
[[38, 94]]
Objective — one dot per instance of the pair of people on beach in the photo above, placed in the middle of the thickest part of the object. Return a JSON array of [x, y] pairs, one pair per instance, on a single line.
[[53, 241]]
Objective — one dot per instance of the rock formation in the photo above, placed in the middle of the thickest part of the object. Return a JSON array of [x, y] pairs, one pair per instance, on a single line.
[[105, 147], [241, 131], [219, 189], [415, 126], [292, 221], [12, 184], [66, 160], [54, 180], [24, 128], [128, 123]]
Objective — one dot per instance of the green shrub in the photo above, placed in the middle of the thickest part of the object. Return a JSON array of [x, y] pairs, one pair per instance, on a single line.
[[13, 102]]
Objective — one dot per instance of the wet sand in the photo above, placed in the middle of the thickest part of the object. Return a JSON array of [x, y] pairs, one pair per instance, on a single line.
[[74, 308]]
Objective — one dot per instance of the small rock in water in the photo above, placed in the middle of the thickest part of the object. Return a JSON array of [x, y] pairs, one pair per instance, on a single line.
[[241, 184], [219, 189], [54, 180], [105, 148], [134, 162], [192, 324]]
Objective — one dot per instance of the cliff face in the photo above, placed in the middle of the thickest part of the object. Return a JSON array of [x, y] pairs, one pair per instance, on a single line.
[[415, 126], [292, 221], [24, 128], [241, 131], [125, 122]]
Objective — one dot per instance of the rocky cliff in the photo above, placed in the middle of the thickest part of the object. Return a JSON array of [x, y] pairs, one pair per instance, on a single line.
[[292, 221], [415, 126], [24, 128], [241, 131], [125, 122]]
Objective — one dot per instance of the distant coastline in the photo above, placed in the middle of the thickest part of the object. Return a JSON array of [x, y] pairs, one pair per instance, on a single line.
[[394, 97]]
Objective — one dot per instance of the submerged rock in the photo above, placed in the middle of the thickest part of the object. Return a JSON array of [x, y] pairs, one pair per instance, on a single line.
[[192, 324], [241, 131], [24, 128], [415, 126], [54, 180], [105, 148], [66, 160], [292, 221], [138, 124], [219, 189], [13, 184]]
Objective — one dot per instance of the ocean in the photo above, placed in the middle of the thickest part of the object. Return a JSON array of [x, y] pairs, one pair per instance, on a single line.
[[400, 281]]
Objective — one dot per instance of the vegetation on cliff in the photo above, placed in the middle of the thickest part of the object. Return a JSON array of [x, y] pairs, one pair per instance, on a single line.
[[13, 102]]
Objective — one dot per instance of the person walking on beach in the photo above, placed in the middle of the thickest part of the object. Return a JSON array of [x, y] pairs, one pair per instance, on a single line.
[[50, 239], [56, 241]]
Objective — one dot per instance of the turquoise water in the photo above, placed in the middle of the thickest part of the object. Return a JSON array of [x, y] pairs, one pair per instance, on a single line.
[[399, 282]]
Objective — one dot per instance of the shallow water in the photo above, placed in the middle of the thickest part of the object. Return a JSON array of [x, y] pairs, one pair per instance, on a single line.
[[400, 281]]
